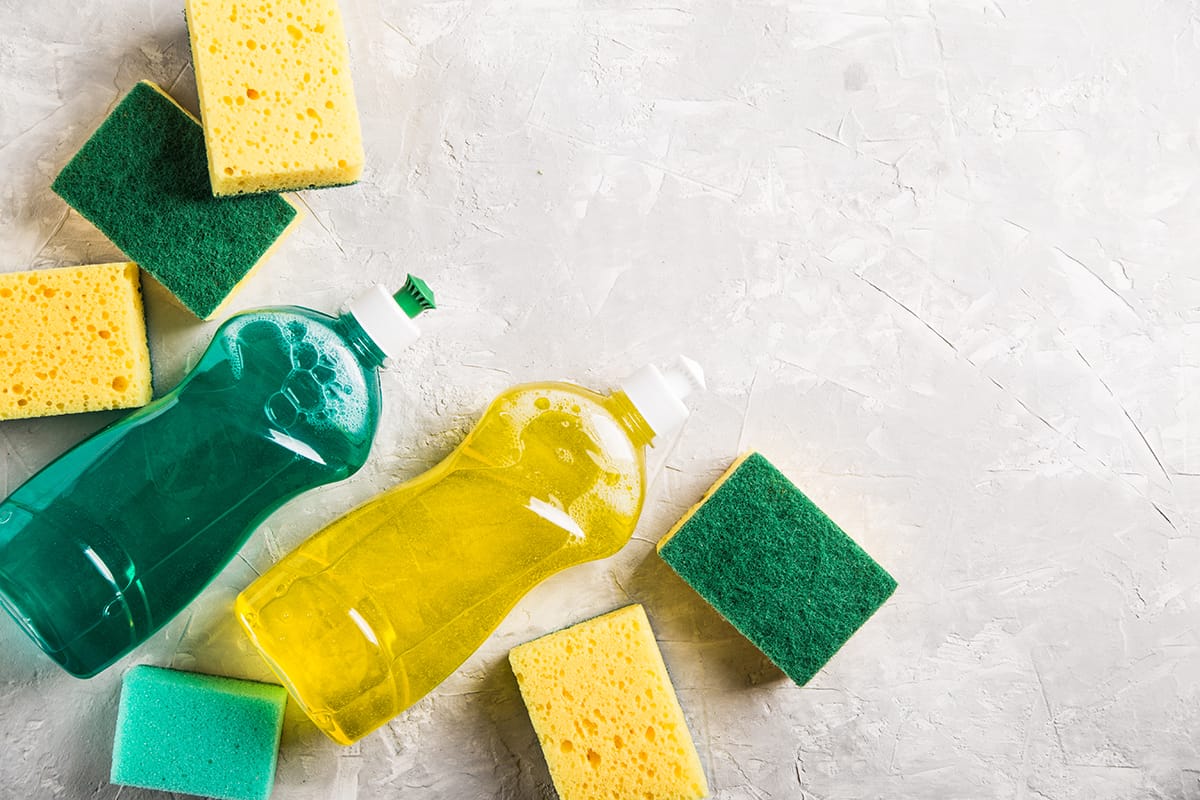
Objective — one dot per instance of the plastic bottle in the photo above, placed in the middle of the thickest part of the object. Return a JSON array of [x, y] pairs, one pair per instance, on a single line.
[[106, 544], [370, 614]]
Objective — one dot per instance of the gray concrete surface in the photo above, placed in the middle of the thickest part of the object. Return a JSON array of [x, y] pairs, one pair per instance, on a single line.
[[940, 260]]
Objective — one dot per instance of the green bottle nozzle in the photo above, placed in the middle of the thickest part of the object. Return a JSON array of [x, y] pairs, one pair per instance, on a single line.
[[415, 296]]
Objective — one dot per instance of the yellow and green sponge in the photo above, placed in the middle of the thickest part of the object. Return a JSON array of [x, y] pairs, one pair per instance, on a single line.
[[142, 179], [774, 565], [275, 94], [606, 714], [72, 339]]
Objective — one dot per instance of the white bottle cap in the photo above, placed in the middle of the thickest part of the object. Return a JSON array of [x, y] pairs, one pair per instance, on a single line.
[[384, 321], [658, 395]]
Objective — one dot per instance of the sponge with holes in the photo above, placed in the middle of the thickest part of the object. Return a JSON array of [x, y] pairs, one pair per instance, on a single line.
[[784, 574], [197, 734], [143, 181], [606, 714], [275, 94], [72, 339]]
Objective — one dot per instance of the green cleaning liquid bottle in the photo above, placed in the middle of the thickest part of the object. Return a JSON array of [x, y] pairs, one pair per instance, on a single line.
[[369, 615], [106, 544]]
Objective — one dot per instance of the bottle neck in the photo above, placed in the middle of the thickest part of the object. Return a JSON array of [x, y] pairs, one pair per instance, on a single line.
[[364, 346], [631, 419]]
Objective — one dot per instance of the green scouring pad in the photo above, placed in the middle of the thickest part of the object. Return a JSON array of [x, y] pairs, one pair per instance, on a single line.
[[142, 179], [784, 574], [197, 734]]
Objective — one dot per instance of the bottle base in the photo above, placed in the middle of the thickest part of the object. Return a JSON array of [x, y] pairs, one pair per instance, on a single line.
[[322, 721], [30, 629], [344, 724], [23, 622], [73, 657]]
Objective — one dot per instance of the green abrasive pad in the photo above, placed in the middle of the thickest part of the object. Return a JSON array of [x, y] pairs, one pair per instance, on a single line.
[[197, 734], [774, 565], [142, 179]]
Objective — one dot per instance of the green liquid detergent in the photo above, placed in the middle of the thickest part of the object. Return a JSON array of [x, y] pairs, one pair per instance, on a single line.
[[109, 542]]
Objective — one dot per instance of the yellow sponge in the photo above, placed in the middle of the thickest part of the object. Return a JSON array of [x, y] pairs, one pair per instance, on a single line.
[[275, 94], [606, 714], [72, 339]]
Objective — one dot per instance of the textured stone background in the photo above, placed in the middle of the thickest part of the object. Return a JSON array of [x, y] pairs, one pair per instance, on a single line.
[[940, 260]]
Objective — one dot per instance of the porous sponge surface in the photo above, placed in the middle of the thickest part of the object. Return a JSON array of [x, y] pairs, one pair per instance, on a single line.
[[142, 179], [197, 734], [774, 565], [72, 339], [275, 94], [606, 714]]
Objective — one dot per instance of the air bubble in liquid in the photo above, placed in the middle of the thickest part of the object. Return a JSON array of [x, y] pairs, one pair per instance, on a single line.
[[305, 355], [263, 341], [304, 388], [281, 410]]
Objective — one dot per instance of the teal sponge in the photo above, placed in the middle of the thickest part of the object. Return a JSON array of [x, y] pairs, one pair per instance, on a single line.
[[784, 574], [197, 734], [142, 179]]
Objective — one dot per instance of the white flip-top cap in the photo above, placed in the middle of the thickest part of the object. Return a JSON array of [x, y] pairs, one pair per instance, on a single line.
[[386, 318], [659, 394]]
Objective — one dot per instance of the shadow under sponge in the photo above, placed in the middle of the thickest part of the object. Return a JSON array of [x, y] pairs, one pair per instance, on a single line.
[[774, 565], [197, 734], [142, 179]]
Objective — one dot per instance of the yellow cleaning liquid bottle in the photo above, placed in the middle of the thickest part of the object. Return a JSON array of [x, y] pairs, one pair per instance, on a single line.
[[365, 618]]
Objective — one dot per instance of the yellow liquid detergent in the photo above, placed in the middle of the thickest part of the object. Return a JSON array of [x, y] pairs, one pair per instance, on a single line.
[[370, 614]]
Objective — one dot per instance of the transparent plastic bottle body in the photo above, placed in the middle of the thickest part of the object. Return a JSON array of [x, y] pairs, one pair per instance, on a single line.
[[106, 544], [369, 615]]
